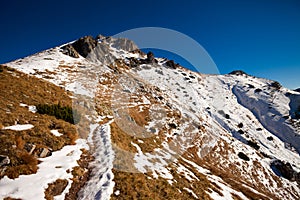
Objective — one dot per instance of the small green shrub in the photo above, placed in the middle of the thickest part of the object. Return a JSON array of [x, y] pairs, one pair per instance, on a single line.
[[65, 113]]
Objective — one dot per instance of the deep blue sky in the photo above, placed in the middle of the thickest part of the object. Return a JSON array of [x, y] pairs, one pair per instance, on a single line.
[[261, 37]]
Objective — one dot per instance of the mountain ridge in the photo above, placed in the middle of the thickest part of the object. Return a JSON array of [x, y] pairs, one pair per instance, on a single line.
[[173, 132]]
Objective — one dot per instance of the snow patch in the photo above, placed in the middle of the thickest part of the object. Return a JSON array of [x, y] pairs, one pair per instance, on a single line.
[[19, 127], [28, 187], [56, 133]]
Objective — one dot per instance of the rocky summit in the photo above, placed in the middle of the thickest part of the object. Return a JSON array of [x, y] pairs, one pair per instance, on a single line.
[[97, 118]]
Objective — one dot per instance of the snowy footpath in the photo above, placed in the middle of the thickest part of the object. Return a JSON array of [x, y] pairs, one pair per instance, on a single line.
[[100, 186]]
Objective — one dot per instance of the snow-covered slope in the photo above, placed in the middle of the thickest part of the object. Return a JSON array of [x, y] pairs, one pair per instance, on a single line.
[[151, 122]]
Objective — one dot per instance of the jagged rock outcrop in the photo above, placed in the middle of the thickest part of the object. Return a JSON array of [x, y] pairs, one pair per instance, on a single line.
[[238, 72], [171, 64], [98, 49], [297, 90], [70, 51], [122, 43], [276, 85], [285, 170], [85, 45], [150, 57], [82, 47]]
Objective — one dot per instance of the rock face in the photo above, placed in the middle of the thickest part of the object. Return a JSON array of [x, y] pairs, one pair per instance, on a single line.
[[297, 90], [98, 49], [122, 43], [171, 64], [285, 170], [150, 57], [82, 47], [70, 51], [85, 45]]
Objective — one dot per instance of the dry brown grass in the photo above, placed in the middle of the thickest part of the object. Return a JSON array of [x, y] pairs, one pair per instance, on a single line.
[[141, 118], [9, 198], [17, 88], [230, 174], [26, 164], [138, 186], [122, 139], [80, 175], [20, 142], [144, 186], [55, 188]]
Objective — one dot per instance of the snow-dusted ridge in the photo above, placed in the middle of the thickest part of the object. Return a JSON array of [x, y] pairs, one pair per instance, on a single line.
[[209, 121]]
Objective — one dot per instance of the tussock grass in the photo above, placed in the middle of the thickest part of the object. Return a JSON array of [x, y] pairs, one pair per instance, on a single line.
[[16, 88], [55, 188]]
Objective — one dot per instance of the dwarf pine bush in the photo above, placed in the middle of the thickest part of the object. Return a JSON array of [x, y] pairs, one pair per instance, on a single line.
[[65, 113]]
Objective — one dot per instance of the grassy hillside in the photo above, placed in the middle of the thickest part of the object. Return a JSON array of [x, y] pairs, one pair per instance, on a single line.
[[18, 89]]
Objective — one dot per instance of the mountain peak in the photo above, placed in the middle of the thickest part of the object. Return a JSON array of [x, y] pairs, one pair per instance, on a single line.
[[151, 125]]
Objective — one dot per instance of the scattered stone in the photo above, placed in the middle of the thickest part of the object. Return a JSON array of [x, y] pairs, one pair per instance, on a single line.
[[29, 147], [240, 125], [253, 144], [251, 86], [257, 90], [4, 160], [243, 156], [270, 138], [276, 85], [43, 152], [172, 125]]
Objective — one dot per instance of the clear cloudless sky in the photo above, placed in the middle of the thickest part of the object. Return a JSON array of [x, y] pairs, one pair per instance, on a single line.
[[261, 37]]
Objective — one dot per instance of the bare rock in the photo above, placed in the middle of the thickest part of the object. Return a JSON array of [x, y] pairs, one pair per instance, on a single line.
[[238, 73], [85, 45], [150, 57], [4, 160], [285, 170], [29, 147], [43, 152], [122, 43], [171, 64], [70, 51]]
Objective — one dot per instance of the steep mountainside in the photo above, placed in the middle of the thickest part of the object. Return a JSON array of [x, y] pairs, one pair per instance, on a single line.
[[159, 131]]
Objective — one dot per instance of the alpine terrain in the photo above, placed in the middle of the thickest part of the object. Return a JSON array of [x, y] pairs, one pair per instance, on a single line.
[[99, 119]]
